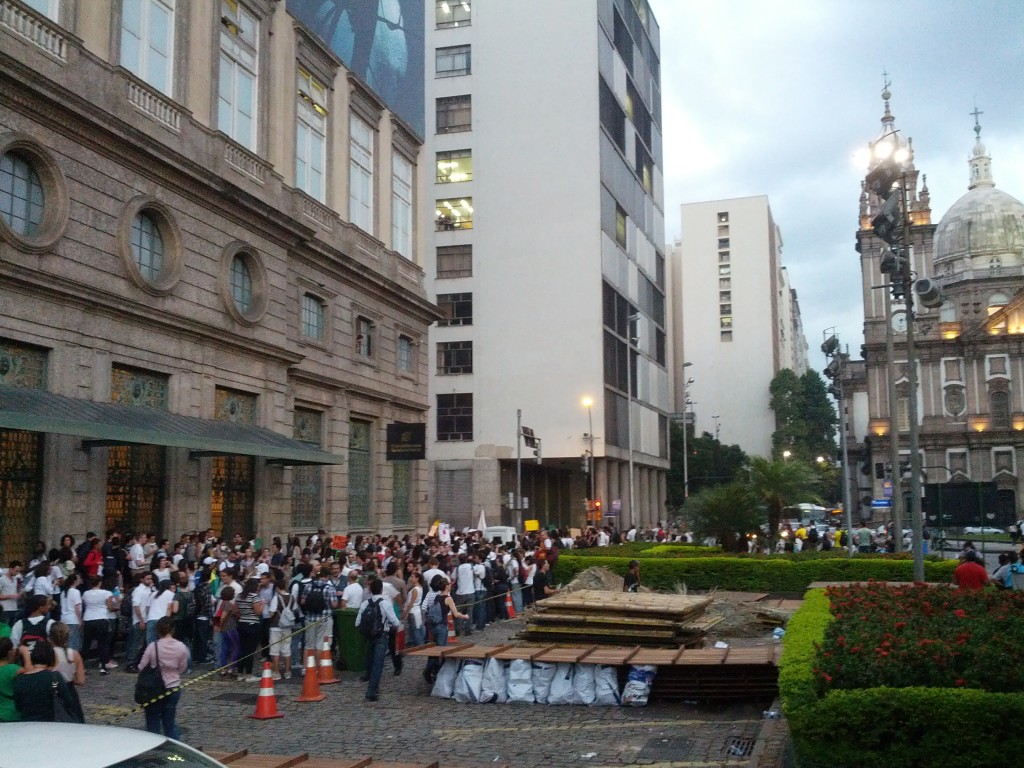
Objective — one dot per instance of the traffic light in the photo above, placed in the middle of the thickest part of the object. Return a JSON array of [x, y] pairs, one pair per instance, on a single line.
[[597, 510], [879, 470], [887, 225], [585, 463]]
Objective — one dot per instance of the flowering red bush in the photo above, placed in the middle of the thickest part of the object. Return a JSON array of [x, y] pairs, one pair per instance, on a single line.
[[919, 635]]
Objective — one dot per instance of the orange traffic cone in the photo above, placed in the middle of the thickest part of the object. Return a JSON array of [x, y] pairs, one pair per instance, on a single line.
[[310, 684], [327, 664], [509, 608], [451, 627], [266, 702]]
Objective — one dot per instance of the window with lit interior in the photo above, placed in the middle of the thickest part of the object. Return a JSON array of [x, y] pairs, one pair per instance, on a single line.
[[454, 213], [452, 13], [454, 166]]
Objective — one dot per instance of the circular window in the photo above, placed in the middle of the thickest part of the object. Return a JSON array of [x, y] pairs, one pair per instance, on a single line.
[[33, 196], [150, 245], [243, 284], [21, 194]]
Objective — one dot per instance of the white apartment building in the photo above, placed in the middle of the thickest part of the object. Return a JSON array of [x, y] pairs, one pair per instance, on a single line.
[[738, 319], [548, 238]]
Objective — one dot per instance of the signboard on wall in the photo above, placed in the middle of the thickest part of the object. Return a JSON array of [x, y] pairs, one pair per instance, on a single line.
[[381, 41], [407, 442]]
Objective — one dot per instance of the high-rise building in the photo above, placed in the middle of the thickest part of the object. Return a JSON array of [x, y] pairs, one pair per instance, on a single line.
[[211, 298], [547, 257], [738, 319]]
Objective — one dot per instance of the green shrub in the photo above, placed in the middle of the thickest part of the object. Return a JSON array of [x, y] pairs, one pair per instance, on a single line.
[[640, 549], [887, 727], [768, 574]]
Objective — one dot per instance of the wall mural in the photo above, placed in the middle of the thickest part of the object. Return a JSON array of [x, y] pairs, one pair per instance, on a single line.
[[380, 40]]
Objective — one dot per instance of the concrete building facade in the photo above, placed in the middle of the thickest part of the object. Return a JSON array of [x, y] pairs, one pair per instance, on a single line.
[[548, 239], [193, 331], [738, 319]]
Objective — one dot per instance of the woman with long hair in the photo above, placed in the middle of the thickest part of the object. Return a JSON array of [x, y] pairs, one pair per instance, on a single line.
[[69, 661], [71, 610], [226, 615], [96, 603], [170, 656], [440, 591], [282, 624], [161, 605], [412, 614]]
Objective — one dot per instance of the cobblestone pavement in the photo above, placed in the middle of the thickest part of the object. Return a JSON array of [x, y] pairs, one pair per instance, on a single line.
[[406, 723]]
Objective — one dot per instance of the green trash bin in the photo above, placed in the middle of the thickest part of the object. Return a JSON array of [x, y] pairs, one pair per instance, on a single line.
[[351, 644]]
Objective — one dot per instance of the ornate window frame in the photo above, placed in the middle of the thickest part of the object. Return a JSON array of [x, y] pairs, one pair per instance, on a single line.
[[163, 216], [260, 285], [56, 204]]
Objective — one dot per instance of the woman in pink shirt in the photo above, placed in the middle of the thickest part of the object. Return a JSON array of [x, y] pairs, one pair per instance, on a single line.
[[171, 656]]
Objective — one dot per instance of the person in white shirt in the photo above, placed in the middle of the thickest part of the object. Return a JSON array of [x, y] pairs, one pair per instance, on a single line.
[[603, 539], [352, 595], [141, 597], [71, 611], [631, 533], [10, 592], [96, 602], [162, 604], [137, 553], [465, 592], [479, 612]]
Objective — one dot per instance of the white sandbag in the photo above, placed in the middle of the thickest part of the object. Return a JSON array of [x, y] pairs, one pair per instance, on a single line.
[[561, 685], [583, 685], [606, 684], [469, 682], [495, 684], [444, 684], [638, 685], [543, 673], [520, 681]]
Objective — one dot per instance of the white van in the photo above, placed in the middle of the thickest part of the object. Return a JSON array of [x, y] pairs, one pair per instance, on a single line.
[[505, 533]]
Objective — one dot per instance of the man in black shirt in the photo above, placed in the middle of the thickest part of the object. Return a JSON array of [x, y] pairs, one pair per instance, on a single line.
[[631, 583], [542, 581]]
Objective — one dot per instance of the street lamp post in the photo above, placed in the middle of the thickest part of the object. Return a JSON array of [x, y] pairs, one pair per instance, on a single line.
[[686, 430], [834, 371], [888, 179], [588, 403], [629, 413], [716, 418]]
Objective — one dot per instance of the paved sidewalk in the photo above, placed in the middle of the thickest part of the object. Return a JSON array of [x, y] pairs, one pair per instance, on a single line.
[[406, 722]]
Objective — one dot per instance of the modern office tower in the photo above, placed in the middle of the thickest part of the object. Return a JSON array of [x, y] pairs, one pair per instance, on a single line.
[[547, 258], [738, 319], [211, 295]]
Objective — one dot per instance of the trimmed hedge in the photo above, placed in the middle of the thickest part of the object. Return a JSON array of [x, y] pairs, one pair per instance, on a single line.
[[765, 574], [694, 550], [646, 549], [888, 727]]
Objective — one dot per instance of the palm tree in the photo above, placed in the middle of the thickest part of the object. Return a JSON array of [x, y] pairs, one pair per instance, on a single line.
[[781, 483], [723, 511]]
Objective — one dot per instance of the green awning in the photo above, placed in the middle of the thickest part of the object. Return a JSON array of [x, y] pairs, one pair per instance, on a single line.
[[101, 424]]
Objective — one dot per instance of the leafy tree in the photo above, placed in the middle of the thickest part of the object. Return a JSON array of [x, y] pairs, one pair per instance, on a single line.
[[710, 463], [805, 421], [779, 484], [724, 511]]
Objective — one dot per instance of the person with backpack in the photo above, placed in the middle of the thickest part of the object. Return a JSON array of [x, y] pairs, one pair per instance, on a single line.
[[36, 624], [282, 623], [436, 606], [318, 599], [375, 620]]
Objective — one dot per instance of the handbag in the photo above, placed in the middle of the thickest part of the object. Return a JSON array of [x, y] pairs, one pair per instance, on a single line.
[[149, 685], [66, 706]]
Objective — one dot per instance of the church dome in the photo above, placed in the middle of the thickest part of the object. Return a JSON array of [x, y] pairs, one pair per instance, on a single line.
[[985, 227]]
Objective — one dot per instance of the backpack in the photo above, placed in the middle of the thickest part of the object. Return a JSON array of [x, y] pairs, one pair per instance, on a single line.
[[488, 578], [284, 616], [432, 613], [33, 632], [312, 599], [371, 623]]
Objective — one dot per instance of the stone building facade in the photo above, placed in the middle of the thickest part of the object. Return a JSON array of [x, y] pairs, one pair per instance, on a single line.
[[193, 332], [969, 352]]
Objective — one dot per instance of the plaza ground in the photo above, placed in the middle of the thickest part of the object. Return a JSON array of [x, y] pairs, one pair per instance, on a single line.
[[407, 725]]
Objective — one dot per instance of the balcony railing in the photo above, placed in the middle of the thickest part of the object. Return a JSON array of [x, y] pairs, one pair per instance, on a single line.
[[40, 32]]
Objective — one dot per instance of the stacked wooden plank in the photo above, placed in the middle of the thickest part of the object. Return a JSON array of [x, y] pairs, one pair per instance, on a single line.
[[617, 618]]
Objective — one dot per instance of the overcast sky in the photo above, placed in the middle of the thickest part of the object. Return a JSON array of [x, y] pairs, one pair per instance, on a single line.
[[775, 99]]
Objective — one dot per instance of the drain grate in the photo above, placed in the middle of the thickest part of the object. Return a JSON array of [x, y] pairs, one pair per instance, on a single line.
[[661, 750], [739, 747], [237, 698]]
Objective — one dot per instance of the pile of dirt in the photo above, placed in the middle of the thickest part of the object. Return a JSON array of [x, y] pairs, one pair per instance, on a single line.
[[596, 578]]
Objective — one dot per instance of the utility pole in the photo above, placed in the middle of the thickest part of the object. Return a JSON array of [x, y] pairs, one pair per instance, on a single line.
[[519, 470], [895, 477]]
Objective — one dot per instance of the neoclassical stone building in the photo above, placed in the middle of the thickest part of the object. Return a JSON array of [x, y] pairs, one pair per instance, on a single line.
[[970, 352], [211, 299]]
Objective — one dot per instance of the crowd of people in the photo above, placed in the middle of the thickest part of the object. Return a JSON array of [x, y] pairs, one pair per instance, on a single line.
[[135, 600]]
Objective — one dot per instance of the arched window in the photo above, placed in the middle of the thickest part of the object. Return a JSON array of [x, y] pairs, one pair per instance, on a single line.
[[999, 409]]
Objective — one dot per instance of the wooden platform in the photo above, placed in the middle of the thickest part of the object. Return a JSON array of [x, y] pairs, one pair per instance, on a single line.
[[243, 759]]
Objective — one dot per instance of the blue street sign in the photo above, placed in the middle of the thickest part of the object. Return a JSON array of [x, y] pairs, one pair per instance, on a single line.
[[877, 503]]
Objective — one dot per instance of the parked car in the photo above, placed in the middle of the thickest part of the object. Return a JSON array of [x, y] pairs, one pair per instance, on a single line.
[[95, 746], [975, 530]]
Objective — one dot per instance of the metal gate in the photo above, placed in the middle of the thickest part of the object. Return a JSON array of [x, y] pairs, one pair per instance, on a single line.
[[232, 505], [135, 489], [21, 477]]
